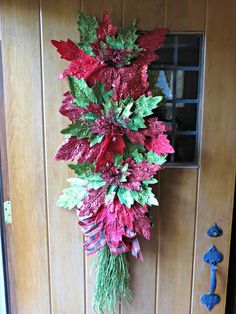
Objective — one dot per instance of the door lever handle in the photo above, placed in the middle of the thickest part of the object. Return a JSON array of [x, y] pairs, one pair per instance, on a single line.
[[212, 257]]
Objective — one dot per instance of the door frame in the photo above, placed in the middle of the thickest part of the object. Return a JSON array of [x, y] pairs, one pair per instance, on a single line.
[[6, 235]]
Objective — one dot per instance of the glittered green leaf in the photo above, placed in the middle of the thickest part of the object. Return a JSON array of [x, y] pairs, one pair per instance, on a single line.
[[125, 39], [144, 107], [82, 170], [91, 117], [78, 128], [130, 149], [86, 171], [144, 196], [137, 122], [73, 195], [107, 106], [124, 172], [151, 181], [101, 94], [127, 110], [95, 139], [95, 182], [117, 159], [138, 157], [155, 158], [125, 196], [111, 192], [87, 27], [82, 93]]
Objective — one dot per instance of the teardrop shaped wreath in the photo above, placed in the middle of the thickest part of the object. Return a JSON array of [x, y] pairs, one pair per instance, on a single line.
[[116, 144]]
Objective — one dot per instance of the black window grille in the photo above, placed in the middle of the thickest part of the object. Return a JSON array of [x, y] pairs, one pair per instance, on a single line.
[[177, 75]]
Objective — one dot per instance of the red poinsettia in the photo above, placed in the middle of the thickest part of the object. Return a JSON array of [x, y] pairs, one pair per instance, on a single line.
[[108, 64], [114, 224]]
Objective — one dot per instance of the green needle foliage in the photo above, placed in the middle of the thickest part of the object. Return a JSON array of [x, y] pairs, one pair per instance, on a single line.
[[112, 280]]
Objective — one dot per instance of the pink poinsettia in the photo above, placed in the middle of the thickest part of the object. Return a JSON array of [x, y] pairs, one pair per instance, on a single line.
[[106, 64]]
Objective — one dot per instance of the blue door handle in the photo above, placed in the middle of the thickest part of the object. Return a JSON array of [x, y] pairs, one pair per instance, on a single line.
[[212, 257], [213, 279]]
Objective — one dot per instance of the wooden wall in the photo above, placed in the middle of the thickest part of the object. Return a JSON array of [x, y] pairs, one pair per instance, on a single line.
[[53, 275]]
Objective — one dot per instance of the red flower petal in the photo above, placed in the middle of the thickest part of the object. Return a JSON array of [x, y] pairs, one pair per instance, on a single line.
[[69, 110], [111, 144], [77, 149], [160, 145], [153, 40], [136, 137], [67, 49], [105, 28]]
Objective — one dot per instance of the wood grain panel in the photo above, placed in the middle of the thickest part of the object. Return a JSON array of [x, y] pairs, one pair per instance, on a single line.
[[178, 189], [149, 14], [93, 8], [143, 274], [22, 89], [185, 15], [65, 238], [217, 173], [96, 8]]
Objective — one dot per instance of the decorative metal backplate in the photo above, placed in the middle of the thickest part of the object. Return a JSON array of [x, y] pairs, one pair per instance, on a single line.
[[214, 231], [212, 257]]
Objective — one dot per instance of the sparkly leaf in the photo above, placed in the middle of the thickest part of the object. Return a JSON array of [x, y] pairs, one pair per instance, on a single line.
[[95, 139], [73, 195], [138, 157], [160, 145], [125, 197], [87, 27], [143, 108], [105, 28], [125, 39], [126, 113], [77, 128], [151, 181], [102, 95], [91, 117], [67, 49], [85, 171], [82, 93], [117, 159], [144, 196], [155, 158]]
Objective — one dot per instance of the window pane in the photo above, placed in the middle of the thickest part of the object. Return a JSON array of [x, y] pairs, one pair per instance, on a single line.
[[165, 83], [188, 50], [164, 113], [185, 146], [186, 116], [187, 84], [166, 53]]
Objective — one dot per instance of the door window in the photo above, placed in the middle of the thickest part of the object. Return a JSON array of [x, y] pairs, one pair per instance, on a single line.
[[177, 75]]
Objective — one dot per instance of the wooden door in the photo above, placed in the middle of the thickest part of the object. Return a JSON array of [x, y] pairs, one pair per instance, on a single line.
[[52, 273]]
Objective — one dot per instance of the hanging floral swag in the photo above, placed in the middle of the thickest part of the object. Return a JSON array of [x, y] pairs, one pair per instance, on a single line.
[[116, 144]]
